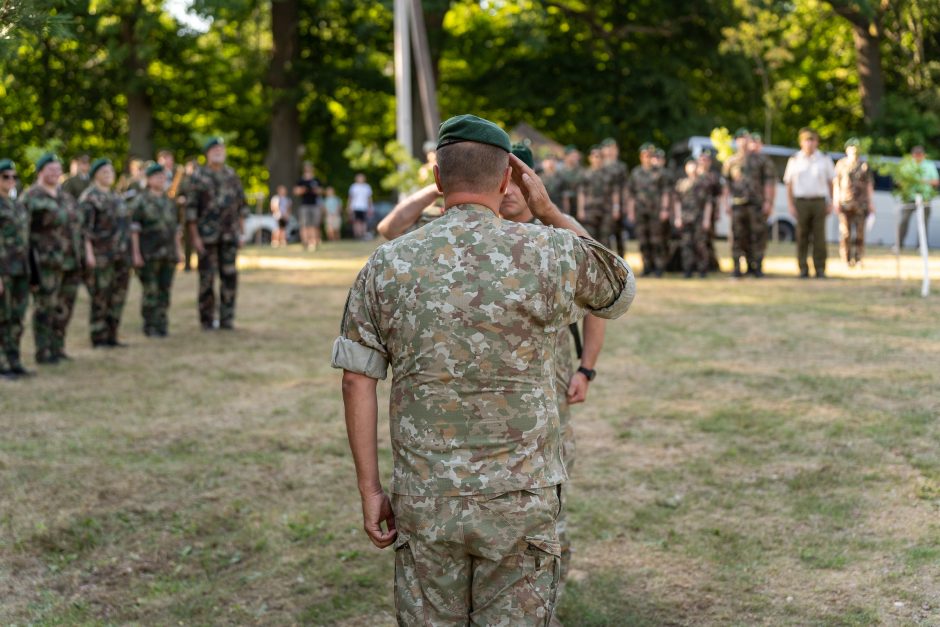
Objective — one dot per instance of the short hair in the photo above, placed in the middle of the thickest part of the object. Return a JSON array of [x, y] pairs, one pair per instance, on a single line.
[[471, 167], [917, 150], [164, 152], [808, 131]]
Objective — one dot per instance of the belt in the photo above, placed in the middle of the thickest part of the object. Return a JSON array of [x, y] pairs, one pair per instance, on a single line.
[[809, 198]]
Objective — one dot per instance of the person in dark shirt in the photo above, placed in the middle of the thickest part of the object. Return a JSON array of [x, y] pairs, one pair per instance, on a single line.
[[310, 212]]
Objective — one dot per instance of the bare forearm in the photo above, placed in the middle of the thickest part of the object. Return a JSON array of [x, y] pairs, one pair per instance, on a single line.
[[407, 212], [594, 329], [135, 244], [359, 397], [560, 220]]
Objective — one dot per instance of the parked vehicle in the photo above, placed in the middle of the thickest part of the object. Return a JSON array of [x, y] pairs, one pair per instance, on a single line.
[[259, 229]]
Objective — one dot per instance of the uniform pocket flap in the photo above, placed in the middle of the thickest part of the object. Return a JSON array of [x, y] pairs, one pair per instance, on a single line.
[[400, 541], [552, 547]]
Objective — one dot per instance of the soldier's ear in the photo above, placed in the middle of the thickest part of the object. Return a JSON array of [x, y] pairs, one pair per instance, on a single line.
[[437, 179], [507, 176]]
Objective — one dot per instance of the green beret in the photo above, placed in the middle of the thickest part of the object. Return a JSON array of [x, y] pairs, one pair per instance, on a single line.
[[470, 128], [741, 132], [45, 160], [524, 153], [154, 168], [96, 165], [212, 142], [610, 141], [647, 147], [6, 164], [757, 137], [853, 141], [570, 148], [595, 147], [660, 152], [707, 152]]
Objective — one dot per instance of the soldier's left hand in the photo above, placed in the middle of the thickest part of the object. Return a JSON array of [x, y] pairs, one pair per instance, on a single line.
[[577, 389], [376, 509], [138, 261]]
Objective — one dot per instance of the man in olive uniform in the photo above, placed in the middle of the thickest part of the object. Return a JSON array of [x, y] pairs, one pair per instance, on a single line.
[[571, 174], [76, 184], [852, 191], [155, 240], [51, 248], [767, 183], [716, 185], [14, 273], [595, 199], [215, 214], [107, 250], [745, 179], [617, 177], [474, 416], [554, 184], [693, 214], [647, 208]]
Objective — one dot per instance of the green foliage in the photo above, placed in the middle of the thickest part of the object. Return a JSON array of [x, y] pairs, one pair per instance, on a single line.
[[723, 143], [403, 169]]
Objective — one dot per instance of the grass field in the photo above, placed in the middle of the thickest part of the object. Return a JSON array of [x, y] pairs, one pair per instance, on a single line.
[[751, 453]]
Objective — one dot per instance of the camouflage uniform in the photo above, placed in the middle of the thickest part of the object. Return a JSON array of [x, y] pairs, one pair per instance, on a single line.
[[14, 274], [745, 177], [467, 311], [693, 194], [598, 219], [107, 227], [570, 180], [767, 173], [154, 218], [215, 202], [854, 179], [53, 261], [555, 186], [75, 185], [618, 174], [647, 187]]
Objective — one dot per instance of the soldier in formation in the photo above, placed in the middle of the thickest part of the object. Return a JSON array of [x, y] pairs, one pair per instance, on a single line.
[[852, 192], [215, 214], [595, 196], [14, 273], [694, 208], [107, 250], [750, 180], [648, 209], [156, 245], [617, 175]]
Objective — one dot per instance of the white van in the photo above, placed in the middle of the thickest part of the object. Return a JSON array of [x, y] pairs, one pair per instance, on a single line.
[[783, 227]]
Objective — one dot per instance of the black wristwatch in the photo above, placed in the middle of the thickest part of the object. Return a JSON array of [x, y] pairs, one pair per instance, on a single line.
[[587, 372]]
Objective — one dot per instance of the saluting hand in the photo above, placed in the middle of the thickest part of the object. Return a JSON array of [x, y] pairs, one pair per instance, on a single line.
[[376, 509], [532, 189]]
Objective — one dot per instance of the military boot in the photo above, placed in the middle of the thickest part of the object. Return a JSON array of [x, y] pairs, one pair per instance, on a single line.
[[736, 273], [759, 267]]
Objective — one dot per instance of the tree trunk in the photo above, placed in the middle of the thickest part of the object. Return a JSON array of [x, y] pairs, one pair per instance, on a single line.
[[871, 82], [139, 105], [284, 144]]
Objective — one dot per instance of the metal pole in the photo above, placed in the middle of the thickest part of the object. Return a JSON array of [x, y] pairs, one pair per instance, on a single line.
[[403, 75], [922, 237]]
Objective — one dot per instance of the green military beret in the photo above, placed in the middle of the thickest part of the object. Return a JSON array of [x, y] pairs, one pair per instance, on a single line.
[[741, 132], [757, 137], [647, 147], [212, 142], [853, 141], [609, 141], [660, 152], [46, 159], [570, 148], [96, 165], [524, 153], [6, 164], [595, 147], [470, 128], [153, 168], [707, 152]]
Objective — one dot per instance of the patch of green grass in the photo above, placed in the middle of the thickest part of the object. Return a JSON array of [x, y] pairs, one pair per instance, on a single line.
[[606, 599]]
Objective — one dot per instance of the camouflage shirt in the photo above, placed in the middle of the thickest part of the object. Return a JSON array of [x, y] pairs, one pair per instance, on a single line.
[[570, 179], [747, 175], [154, 217], [618, 174], [596, 187], [554, 185], [693, 193], [107, 223], [854, 179], [215, 201], [14, 238], [52, 237], [647, 186], [467, 311]]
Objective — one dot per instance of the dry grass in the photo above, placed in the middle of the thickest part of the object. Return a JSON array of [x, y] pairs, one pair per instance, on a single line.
[[751, 453]]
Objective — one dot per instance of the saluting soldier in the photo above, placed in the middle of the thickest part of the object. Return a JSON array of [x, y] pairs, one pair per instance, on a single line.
[[156, 246], [852, 191], [215, 214], [475, 432], [617, 178], [14, 273], [52, 214], [648, 209], [595, 200], [107, 250]]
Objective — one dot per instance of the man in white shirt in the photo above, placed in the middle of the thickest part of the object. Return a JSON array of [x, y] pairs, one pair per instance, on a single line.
[[360, 205], [808, 178]]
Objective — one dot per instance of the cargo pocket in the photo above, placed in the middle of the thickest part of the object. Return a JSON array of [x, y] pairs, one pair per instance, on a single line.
[[409, 599], [543, 570]]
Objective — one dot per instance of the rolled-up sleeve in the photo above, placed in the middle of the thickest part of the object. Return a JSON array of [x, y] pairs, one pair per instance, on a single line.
[[594, 280], [360, 347]]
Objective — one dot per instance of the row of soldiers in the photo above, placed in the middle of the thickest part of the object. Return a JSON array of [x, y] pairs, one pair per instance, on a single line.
[[56, 236], [608, 198]]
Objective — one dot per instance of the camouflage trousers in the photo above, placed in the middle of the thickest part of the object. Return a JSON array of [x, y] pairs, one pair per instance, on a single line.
[[48, 284], [490, 559], [108, 287], [65, 306], [749, 234], [567, 457], [220, 259], [599, 223], [694, 244], [156, 281], [13, 303], [852, 234], [652, 234]]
